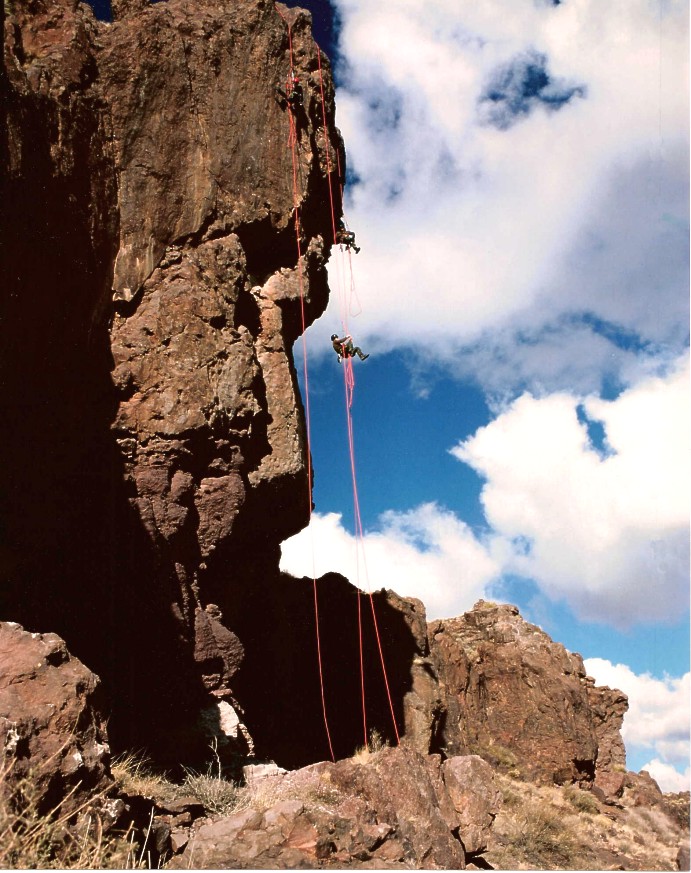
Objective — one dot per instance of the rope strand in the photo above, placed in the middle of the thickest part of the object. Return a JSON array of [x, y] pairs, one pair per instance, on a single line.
[[296, 208]]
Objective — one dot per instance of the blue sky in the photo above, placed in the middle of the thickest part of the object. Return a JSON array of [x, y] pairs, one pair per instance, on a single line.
[[518, 181]]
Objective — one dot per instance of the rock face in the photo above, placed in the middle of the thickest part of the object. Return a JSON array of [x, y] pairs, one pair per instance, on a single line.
[[154, 449], [52, 725], [523, 702], [608, 707], [394, 809]]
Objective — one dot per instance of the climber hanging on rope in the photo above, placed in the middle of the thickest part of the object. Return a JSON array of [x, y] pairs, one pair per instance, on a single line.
[[346, 237], [344, 348]]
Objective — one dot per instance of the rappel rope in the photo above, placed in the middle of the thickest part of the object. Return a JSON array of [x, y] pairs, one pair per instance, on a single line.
[[349, 383], [296, 208], [345, 302]]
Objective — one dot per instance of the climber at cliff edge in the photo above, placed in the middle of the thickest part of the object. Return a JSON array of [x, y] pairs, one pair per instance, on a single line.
[[344, 347], [294, 91]]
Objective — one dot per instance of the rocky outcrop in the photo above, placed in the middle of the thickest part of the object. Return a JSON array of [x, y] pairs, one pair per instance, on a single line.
[[154, 450], [522, 701], [52, 725], [608, 707], [166, 222], [394, 809]]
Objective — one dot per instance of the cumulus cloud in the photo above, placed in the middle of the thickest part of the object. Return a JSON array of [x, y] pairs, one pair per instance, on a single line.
[[427, 552], [657, 719], [471, 230], [603, 527]]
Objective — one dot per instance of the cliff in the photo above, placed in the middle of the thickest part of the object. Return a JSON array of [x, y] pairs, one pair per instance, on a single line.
[[155, 447]]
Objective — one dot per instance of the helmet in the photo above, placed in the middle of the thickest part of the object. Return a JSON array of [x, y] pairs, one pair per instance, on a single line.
[[334, 336]]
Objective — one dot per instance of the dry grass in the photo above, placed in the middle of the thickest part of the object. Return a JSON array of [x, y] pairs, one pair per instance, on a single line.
[[556, 828], [376, 744], [540, 836], [219, 796], [57, 840], [133, 774], [500, 758]]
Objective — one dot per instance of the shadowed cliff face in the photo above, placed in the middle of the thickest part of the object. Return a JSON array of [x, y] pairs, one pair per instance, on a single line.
[[149, 163]]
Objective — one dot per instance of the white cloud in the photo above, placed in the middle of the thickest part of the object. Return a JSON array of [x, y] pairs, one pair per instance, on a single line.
[[607, 534], [657, 719], [467, 230], [426, 553]]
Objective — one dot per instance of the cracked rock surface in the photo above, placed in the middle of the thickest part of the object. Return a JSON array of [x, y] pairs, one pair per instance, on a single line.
[[155, 289]]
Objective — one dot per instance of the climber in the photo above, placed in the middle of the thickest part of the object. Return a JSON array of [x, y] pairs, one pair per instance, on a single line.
[[344, 347], [346, 237], [294, 93]]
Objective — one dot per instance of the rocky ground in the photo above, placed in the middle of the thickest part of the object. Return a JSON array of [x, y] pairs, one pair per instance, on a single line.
[[63, 803]]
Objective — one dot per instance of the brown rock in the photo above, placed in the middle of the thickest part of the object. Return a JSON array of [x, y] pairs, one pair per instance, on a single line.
[[381, 812], [217, 651], [208, 262], [610, 786], [158, 453], [52, 729], [640, 789], [608, 707], [520, 700], [470, 783], [123, 8]]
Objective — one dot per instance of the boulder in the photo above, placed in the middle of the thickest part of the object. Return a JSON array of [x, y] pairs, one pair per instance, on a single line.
[[475, 796], [521, 701], [52, 727]]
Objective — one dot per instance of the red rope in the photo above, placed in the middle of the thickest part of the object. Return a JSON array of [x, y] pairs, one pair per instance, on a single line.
[[349, 379], [353, 293], [326, 145], [349, 383], [296, 207], [362, 668], [349, 389]]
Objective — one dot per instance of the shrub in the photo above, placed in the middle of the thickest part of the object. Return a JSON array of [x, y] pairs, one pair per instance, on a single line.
[[583, 801], [218, 795], [375, 744], [539, 835], [134, 774], [57, 840], [498, 756]]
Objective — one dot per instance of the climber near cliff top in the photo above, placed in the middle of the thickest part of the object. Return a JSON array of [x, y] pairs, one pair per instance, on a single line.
[[294, 93], [344, 347]]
